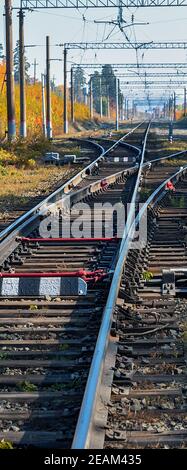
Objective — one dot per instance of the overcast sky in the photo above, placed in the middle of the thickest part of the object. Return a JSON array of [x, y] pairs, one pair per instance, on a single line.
[[69, 25]]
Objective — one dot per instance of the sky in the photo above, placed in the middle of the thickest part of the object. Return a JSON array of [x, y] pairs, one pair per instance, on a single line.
[[71, 25]]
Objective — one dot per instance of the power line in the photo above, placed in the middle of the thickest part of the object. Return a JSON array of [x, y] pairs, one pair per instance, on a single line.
[[147, 84], [169, 65], [152, 75]]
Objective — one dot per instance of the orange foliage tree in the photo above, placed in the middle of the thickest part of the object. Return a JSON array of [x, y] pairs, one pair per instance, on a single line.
[[179, 114], [34, 107]]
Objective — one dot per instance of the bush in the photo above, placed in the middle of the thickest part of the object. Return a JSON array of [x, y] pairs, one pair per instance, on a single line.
[[5, 445], [31, 163], [147, 275], [3, 171], [7, 158]]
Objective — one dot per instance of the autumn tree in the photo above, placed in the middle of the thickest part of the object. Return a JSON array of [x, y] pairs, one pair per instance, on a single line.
[[105, 84], [96, 90], [34, 107], [16, 65], [1, 52], [109, 81], [79, 84]]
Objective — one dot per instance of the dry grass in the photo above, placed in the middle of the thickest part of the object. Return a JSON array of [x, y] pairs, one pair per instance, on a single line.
[[18, 186], [175, 162], [25, 182], [23, 175], [22, 180]]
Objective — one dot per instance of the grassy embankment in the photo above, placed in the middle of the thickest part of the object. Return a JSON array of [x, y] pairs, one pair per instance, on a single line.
[[23, 174]]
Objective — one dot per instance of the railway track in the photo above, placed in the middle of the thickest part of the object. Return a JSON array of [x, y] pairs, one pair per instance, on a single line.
[[47, 343], [52, 347], [148, 399], [8, 216], [140, 399], [75, 178]]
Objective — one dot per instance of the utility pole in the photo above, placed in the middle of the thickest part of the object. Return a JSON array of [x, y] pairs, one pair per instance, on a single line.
[[10, 72], [65, 93], [35, 65], [127, 108], [48, 90], [91, 99], [164, 110], [167, 109], [174, 106], [170, 107], [72, 95], [184, 101], [23, 125], [85, 95], [117, 104], [43, 105], [108, 105], [101, 98], [170, 136], [121, 108], [53, 83], [34, 71], [134, 110]]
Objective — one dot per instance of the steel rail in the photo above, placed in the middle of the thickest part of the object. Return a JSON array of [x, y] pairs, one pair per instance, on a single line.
[[93, 187], [58, 193], [167, 157], [83, 428], [82, 431], [10, 242], [114, 284], [36, 208], [76, 194]]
